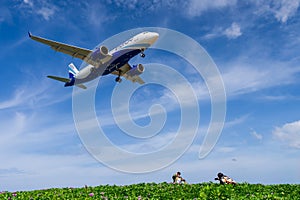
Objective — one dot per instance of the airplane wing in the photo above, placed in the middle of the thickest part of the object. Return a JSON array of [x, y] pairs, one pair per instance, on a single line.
[[73, 51], [124, 69], [135, 79]]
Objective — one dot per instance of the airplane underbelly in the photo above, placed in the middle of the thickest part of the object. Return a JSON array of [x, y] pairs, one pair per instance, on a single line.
[[121, 58]]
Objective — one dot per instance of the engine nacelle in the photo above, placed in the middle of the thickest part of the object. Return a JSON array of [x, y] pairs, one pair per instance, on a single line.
[[99, 53], [103, 50], [136, 70]]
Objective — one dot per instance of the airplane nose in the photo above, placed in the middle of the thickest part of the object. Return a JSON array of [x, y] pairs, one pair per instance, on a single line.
[[154, 36]]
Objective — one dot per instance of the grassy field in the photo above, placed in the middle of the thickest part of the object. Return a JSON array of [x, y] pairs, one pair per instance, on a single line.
[[163, 191]]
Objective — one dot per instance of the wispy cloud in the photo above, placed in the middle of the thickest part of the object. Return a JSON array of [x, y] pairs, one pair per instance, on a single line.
[[196, 8], [281, 9], [285, 9], [152, 144], [289, 134], [234, 31], [43, 8], [10, 171], [47, 13], [236, 121], [242, 78], [256, 135], [27, 96], [144, 6], [225, 149], [93, 17], [5, 15]]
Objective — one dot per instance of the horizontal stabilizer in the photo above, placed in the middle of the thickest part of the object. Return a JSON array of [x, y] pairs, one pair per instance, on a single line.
[[65, 80], [81, 86]]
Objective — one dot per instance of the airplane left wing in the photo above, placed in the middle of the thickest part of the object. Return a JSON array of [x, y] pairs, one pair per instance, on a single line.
[[73, 51]]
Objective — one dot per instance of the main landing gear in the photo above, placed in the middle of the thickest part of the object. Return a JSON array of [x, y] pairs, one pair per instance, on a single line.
[[118, 79], [142, 54]]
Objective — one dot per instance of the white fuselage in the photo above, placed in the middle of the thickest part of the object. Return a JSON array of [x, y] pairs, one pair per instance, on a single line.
[[116, 58]]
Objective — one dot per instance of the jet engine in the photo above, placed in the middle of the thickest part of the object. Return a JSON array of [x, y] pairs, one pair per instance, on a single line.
[[103, 50], [136, 70]]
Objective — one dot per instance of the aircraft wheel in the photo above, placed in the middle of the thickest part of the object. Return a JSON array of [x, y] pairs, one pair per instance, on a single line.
[[118, 79]]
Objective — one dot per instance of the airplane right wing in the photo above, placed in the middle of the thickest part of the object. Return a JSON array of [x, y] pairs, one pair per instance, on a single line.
[[73, 51], [135, 79]]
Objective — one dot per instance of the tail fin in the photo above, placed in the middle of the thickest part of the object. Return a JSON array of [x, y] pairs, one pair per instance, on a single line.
[[71, 80], [72, 70]]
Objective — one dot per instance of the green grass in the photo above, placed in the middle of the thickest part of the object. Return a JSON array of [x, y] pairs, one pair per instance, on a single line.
[[164, 191]]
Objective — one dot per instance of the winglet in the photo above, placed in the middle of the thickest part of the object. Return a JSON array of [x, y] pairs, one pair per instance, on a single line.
[[29, 34]]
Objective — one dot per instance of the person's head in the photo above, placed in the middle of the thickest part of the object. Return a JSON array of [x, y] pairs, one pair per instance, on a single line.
[[220, 174], [178, 173]]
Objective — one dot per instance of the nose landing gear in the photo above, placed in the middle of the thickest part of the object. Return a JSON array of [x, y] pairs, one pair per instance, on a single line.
[[118, 80]]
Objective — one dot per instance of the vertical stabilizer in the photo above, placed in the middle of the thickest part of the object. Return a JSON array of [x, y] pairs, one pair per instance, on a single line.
[[72, 70]]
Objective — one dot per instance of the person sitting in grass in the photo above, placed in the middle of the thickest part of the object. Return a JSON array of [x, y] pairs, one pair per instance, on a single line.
[[178, 179], [224, 179]]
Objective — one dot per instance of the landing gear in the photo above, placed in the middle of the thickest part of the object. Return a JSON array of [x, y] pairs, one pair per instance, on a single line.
[[118, 79], [142, 53]]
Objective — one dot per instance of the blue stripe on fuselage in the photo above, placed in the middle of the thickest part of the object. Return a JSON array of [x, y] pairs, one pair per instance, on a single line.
[[121, 58]]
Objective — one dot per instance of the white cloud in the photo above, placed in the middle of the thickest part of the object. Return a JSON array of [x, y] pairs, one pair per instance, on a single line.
[[256, 135], [276, 98], [281, 9], [234, 31], [43, 8], [285, 9], [289, 134], [236, 121], [29, 2], [196, 8], [242, 78], [26, 96], [46, 12]]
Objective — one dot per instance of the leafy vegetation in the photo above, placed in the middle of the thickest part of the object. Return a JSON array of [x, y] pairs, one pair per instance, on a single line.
[[163, 191]]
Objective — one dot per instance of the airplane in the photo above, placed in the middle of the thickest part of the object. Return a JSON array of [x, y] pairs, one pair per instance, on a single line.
[[101, 61]]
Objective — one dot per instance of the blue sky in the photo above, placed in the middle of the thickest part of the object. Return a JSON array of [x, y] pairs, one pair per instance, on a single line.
[[255, 46]]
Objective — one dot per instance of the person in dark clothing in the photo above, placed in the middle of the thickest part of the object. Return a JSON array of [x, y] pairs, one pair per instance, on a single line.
[[224, 179], [177, 178]]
